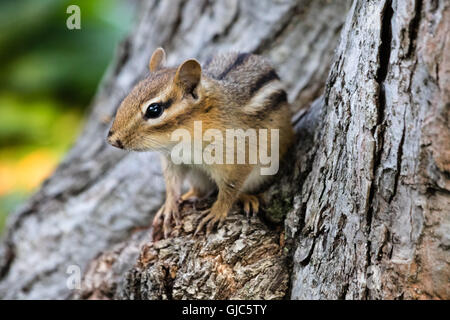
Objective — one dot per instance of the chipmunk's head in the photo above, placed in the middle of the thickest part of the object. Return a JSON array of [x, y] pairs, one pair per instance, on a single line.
[[166, 100]]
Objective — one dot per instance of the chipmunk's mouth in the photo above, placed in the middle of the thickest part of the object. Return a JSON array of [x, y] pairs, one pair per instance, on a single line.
[[116, 143]]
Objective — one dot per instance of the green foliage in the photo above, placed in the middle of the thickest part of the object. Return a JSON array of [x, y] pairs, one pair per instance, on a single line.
[[48, 75], [40, 56]]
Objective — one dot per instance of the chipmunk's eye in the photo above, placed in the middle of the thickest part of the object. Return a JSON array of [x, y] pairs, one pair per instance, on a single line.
[[154, 110]]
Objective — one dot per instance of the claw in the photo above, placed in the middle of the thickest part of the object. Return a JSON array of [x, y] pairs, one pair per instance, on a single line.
[[162, 222], [250, 204], [167, 227], [202, 218], [211, 219], [156, 219], [156, 233], [212, 223], [203, 222], [176, 217], [247, 208]]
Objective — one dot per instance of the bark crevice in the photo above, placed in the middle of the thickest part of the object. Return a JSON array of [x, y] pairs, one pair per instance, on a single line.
[[414, 27], [378, 130]]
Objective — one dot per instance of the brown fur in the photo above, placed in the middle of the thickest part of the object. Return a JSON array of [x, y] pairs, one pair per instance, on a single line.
[[235, 90]]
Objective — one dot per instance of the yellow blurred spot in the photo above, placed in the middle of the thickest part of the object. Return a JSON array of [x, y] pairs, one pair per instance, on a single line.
[[28, 172]]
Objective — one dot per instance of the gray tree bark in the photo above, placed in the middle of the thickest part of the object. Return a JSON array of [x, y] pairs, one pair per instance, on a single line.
[[364, 195]]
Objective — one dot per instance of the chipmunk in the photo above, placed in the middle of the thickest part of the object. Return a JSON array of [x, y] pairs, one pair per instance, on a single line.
[[232, 90]]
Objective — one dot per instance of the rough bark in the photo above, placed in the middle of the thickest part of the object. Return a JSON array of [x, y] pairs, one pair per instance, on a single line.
[[365, 192], [374, 210]]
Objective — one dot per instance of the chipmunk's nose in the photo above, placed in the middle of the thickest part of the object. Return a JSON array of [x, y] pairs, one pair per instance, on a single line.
[[116, 143], [113, 141]]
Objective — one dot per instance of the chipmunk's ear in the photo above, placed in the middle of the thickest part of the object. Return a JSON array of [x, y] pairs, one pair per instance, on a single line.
[[188, 75], [157, 60]]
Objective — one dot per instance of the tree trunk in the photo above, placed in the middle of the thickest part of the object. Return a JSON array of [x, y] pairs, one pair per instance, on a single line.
[[374, 210], [364, 195]]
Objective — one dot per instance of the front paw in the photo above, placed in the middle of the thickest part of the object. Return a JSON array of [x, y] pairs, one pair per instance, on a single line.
[[162, 223], [210, 218]]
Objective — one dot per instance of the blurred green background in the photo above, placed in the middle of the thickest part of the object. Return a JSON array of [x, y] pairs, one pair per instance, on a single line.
[[48, 75]]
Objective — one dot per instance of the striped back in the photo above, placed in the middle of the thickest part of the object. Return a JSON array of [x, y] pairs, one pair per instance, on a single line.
[[249, 78]]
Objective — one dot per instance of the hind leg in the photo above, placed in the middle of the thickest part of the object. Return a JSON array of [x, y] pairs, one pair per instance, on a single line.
[[201, 185], [193, 194]]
